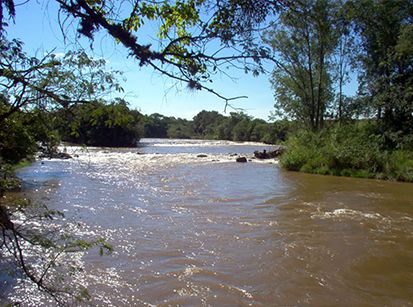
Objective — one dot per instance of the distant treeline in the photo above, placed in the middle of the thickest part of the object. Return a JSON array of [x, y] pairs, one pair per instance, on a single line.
[[237, 126], [115, 124]]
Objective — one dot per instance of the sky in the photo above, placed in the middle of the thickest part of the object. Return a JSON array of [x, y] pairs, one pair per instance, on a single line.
[[36, 24]]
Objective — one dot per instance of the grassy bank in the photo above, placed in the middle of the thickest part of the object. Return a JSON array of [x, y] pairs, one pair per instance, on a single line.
[[352, 150], [21, 164]]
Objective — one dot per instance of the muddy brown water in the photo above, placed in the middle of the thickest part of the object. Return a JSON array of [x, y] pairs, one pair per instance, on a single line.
[[208, 231]]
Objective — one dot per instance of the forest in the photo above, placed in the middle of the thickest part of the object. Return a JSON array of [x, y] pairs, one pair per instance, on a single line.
[[314, 47], [115, 125]]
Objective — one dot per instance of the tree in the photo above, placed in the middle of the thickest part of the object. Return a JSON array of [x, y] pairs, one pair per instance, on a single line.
[[259, 130], [16, 140], [179, 129], [102, 124], [304, 43], [242, 130], [197, 39], [343, 61], [27, 82], [30, 87], [386, 59], [156, 126], [235, 127], [204, 123]]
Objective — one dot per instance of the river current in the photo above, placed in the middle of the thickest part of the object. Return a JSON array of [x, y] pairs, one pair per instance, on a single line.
[[207, 231]]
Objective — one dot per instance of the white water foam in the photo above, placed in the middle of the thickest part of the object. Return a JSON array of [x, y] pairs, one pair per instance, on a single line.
[[195, 143], [347, 213]]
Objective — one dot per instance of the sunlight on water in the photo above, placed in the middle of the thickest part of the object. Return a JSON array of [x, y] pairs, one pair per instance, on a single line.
[[207, 231]]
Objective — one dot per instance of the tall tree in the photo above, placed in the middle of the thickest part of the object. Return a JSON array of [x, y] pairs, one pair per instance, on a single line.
[[386, 58], [304, 42], [343, 60]]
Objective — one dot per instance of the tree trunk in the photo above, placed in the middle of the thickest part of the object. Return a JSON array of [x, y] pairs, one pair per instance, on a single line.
[[313, 115]]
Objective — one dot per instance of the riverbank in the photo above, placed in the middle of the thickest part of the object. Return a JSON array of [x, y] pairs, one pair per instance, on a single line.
[[348, 151], [21, 164]]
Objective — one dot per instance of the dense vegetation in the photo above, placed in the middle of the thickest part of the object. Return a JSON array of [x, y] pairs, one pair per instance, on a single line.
[[99, 124], [355, 150], [212, 125], [116, 125], [319, 45]]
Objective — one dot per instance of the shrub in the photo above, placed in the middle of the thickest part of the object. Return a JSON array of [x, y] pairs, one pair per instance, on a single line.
[[399, 166], [355, 150], [301, 149]]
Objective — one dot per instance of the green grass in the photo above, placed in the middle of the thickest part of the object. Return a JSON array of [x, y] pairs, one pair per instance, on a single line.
[[21, 164]]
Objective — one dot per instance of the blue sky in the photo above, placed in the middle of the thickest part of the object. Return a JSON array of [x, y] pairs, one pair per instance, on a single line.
[[37, 25]]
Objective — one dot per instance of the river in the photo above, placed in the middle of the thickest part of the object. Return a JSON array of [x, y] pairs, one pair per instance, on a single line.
[[207, 231]]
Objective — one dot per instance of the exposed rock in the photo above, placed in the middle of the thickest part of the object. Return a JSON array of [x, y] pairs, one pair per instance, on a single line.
[[270, 154], [241, 159], [201, 156], [63, 155], [55, 155]]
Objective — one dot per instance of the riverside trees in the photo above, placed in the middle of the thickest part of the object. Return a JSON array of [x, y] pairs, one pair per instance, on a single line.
[[110, 124], [308, 40], [305, 42], [314, 43], [385, 30], [30, 87]]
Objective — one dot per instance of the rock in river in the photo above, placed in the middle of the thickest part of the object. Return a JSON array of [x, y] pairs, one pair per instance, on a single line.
[[270, 154], [241, 159]]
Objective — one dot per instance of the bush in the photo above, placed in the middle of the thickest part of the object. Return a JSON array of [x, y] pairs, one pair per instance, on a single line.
[[352, 150], [399, 166], [16, 140], [300, 151]]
